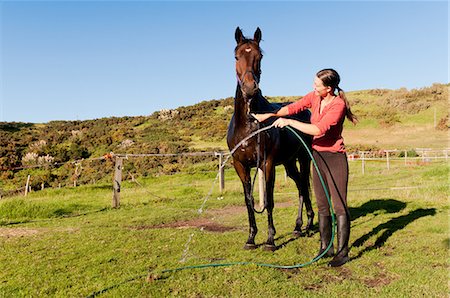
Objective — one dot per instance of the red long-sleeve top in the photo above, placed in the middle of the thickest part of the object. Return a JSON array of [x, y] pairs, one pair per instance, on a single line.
[[330, 122]]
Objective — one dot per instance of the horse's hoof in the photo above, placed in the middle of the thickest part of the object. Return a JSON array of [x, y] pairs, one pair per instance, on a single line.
[[298, 234], [270, 247], [308, 233], [249, 246]]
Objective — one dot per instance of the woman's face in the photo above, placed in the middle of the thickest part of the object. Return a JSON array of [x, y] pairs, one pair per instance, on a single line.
[[319, 88]]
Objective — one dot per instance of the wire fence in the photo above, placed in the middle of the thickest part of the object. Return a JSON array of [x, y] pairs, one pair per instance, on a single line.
[[417, 156]]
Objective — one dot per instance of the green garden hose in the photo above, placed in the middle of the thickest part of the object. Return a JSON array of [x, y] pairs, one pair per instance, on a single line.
[[154, 276], [333, 219]]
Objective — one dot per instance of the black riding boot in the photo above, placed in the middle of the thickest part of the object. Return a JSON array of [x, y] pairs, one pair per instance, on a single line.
[[325, 235], [343, 233]]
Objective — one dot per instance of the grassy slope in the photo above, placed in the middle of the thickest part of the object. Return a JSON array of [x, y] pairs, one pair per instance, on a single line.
[[411, 115], [413, 129], [389, 119], [400, 240]]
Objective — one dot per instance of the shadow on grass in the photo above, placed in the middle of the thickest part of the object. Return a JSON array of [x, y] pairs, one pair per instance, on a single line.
[[372, 206], [101, 186], [447, 243], [388, 205], [102, 291], [290, 237], [58, 214], [390, 228]]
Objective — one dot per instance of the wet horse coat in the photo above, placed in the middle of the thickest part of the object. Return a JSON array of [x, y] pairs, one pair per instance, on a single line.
[[272, 147]]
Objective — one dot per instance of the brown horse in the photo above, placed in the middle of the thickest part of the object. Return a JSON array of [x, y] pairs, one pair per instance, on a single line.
[[272, 147]]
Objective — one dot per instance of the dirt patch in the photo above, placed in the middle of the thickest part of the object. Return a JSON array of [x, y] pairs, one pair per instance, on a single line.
[[202, 223], [230, 210], [381, 279], [208, 224], [27, 232], [17, 232], [285, 204], [342, 274], [345, 273], [329, 276], [313, 287], [387, 250]]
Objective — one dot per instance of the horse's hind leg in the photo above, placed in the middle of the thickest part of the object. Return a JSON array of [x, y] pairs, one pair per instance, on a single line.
[[270, 183], [244, 174], [305, 170], [301, 180]]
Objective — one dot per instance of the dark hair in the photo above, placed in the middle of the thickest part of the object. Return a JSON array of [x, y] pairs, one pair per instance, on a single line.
[[331, 78]]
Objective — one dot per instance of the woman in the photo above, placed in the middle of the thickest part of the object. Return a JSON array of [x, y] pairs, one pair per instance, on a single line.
[[328, 113]]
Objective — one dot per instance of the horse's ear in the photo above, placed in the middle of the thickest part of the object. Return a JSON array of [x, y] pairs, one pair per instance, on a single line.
[[238, 35], [257, 36]]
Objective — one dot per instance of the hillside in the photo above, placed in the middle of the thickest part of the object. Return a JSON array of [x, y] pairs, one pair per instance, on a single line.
[[389, 119]]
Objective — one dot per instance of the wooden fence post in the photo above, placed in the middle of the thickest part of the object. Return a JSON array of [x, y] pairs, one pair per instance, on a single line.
[[117, 182], [77, 174], [27, 185], [221, 172], [262, 187], [363, 162], [387, 159]]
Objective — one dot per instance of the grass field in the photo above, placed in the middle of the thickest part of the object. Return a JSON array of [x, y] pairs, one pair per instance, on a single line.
[[69, 242]]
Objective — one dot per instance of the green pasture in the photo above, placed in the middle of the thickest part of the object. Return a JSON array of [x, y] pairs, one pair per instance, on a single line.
[[70, 243]]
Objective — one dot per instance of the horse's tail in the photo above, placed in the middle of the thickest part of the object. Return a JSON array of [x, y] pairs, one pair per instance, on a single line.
[[253, 204], [253, 199]]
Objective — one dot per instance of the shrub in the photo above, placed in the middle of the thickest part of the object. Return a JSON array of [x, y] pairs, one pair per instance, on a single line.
[[443, 124], [409, 153]]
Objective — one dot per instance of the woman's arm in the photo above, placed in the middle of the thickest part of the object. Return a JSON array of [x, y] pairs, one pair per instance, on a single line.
[[290, 109], [307, 128], [280, 113]]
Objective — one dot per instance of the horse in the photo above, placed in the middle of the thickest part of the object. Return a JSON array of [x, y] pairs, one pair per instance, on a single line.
[[270, 148]]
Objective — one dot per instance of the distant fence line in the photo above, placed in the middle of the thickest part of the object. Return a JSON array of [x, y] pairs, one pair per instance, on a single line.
[[423, 155], [359, 155]]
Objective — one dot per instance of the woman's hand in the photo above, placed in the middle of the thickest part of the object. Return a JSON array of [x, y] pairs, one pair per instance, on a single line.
[[262, 117], [281, 122]]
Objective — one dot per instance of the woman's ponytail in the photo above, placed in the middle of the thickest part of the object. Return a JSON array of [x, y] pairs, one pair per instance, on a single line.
[[331, 78], [350, 116]]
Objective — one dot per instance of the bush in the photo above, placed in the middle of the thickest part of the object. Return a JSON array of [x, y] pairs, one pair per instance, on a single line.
[[443, 124], [387, 117], [409, 153]]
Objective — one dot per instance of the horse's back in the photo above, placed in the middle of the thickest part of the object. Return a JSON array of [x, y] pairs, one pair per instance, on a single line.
[[290, 145], [303, 116]]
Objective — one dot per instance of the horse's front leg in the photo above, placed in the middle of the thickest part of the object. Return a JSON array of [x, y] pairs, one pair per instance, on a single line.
[[305, 169], [270, 182], [244, 174]]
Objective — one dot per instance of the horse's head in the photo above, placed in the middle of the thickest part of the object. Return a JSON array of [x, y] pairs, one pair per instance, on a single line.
[[248, 62]]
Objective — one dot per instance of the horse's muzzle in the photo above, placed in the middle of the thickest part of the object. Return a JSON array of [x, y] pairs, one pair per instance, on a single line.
[[250, 89]]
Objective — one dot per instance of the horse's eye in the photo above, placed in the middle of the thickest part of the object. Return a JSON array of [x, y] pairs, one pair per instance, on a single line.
[[235, 57]]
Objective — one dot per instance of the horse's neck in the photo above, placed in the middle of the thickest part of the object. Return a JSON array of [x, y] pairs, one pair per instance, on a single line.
[[242, 109], [260, 104]]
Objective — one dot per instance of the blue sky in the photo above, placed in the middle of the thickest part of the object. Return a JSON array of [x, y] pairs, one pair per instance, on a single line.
[[64, 60]]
